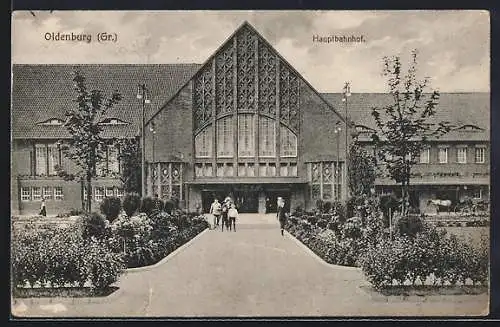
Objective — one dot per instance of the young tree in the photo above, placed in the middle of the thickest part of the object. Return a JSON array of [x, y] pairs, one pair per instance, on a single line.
[[361, 171], [130, 157], [86, 147], [405, 126]]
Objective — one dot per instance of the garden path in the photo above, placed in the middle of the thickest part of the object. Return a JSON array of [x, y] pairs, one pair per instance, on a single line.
[[251, 272]]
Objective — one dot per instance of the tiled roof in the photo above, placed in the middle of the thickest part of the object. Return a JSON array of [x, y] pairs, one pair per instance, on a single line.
[[41, 92], [457, 108]]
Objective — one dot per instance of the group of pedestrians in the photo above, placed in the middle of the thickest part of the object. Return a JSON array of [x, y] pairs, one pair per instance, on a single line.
[[229, 214], [225, 214]]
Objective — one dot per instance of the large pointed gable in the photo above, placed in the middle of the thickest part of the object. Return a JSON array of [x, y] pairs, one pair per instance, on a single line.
[[243, 53]]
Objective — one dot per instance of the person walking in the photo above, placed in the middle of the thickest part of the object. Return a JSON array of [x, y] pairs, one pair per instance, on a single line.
[[281, 214], [43, 209], [224, 214], [215, 210], [232, 214]]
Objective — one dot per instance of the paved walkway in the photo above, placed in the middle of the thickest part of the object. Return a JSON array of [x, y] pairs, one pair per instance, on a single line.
[[251, 272]]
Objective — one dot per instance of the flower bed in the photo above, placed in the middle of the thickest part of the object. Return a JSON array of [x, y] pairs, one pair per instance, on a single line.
[[418, 254], [89, 255]]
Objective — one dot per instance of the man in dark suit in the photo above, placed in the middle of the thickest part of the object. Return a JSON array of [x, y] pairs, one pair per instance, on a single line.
[[281, 214]]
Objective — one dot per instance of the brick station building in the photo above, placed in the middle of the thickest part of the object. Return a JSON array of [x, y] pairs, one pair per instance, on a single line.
[[244, 123]]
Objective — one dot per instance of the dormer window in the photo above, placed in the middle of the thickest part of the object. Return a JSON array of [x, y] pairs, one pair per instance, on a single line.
[[469, 128], [113, 121], [52, 122]]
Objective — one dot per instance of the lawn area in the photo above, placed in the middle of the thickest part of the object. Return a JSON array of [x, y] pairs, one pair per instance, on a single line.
[[471, 235]]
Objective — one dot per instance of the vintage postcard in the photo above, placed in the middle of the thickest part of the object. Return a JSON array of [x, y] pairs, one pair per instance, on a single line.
[[265, 164]]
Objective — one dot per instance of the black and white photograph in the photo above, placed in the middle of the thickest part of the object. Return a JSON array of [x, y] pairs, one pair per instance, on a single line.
[[250, 164]]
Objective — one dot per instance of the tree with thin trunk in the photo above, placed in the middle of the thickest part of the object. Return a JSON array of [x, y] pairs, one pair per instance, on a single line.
[[86, 147], [130, 157], [406, 125]]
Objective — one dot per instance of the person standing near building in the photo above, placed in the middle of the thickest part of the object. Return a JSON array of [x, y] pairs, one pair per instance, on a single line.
[[233, 215], [281, 214], [215, 210], [225, 209], [43, 209]]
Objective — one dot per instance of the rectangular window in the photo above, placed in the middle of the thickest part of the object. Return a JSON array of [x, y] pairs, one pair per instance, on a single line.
[[479, 154], [250, 170], [283, 169], [477, 193], [98, 193], [292, 169], [37, 193], [225, 137], [198, 170], [53, 157], [113, 162], [25, 194], [443, 155], [246, 138], [241, 170], [47, 192], [208, 170], [220, 170], [119, 193], [109, 191], [272, 169], [263, 169], [288, 143], [203, 143], [58, 193], [228, 170], [41, 159], [267, 137], [462, 155]]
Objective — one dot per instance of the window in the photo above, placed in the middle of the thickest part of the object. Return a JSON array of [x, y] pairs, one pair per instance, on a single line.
[[477, 193], [425, 156], [246, 135], [479, 155], [203, 143], [54, 158], [267, 139], [47, 193], [263, 169], [58, 193], [41, 159], [462, 155], [25, 194], [113, 163], [443, 155], [225, 146], [229, 171], [198, 170], [242, 170], [272, 169], [208, 170], [292, 169], [99, 193], [288, 143], [119, 192], [36, 192], [283, 169], [109, 191], [250, 170]]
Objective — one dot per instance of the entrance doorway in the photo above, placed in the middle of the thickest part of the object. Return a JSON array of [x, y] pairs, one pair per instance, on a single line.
[[272, 200]]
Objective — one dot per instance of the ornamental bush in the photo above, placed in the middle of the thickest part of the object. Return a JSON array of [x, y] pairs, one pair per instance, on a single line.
[[111, 207], [147, 205], [131, 203], [169, 206], [93, 225]]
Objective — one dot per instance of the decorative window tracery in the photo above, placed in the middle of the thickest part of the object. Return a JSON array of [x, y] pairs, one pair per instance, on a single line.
[[225, 141], [203, 97], [246, 135], [246, 70], [288, 142], [267, 137], [289, 98], [267, 80], [224, 76], [203, 143]]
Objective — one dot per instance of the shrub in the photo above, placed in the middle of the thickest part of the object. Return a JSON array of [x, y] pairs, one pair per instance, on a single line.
[[319, 205], [104, 266], [147, 205], [131, 203], [169, 206], [409, 225], [93, 224], [327, 206], [111, 207]]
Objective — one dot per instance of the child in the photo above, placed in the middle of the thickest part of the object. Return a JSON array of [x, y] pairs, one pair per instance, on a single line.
[[232, 214]]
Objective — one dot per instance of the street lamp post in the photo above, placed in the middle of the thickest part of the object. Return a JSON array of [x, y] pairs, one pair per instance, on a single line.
[[347, 94], [142, 95], [337, 163]]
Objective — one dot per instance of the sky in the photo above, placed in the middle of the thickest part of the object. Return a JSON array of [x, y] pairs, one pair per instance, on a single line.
[[453, 46]]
